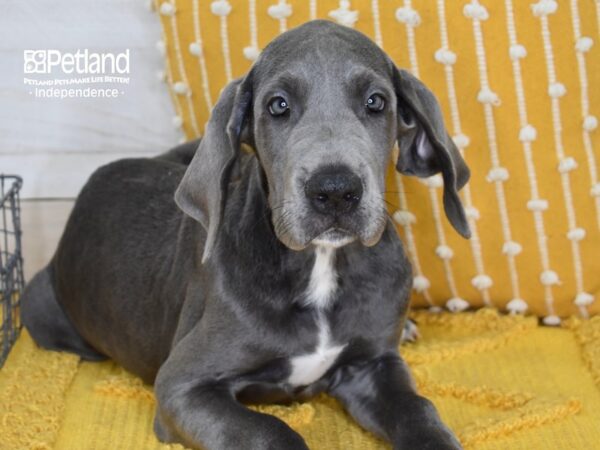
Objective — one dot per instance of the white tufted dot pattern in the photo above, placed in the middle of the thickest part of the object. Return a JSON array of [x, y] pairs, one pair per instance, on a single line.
[[549, 278], [475, 11], [497, 174], [344, 15], [512, 248], [408, 16], [482, 282], [220, 8], [461, 140], [421, 283], [576, 234], [584, 44], [517, 51], [444, 252], [567, 165], [457, 304], [556, 90], [527, 134], [404, 217], [445, 56], [590, 123], [537, 205], [517, 306], [544, 8]]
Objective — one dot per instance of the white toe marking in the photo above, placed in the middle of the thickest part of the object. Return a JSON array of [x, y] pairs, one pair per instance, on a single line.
[[410, 332]]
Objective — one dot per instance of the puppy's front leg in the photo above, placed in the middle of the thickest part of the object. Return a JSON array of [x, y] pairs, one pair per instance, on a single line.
[[209, 417], [381, 396]]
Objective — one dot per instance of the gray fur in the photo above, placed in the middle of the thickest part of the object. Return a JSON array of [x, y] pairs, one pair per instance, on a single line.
[[208, 303]]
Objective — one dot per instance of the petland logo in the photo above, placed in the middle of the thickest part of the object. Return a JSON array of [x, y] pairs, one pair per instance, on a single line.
[[81, 62], [79, 74]]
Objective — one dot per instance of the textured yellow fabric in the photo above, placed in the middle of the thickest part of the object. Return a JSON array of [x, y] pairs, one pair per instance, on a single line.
[[493, 66], [499, 381]]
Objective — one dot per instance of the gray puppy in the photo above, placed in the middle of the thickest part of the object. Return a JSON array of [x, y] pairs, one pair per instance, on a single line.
[[273, 276]]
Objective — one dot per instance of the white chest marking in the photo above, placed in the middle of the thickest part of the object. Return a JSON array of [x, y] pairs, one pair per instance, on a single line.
[[307, 369], [323, 279]]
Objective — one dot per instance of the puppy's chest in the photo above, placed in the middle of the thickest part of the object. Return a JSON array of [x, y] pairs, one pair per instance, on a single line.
[[309, 367], [321, 291]]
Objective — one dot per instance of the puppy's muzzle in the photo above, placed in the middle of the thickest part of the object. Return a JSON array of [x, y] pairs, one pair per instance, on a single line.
[[334, 191]]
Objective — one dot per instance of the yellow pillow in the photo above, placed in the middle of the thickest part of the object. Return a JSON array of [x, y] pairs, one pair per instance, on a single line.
[[517, 82]]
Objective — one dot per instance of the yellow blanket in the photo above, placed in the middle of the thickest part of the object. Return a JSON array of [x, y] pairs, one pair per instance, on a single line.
[[500, 382]]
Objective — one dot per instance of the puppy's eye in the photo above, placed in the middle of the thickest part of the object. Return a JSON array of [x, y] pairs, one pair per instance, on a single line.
[[278, 106], [375, 103]]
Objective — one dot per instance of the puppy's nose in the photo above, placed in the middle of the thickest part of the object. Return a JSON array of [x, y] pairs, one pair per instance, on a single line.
[[334, 190]]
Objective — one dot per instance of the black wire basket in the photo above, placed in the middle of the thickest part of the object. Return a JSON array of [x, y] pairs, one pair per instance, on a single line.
[[11, 262]]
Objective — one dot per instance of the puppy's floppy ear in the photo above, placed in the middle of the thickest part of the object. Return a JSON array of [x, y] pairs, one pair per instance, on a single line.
[[203, 190], [425, 146]]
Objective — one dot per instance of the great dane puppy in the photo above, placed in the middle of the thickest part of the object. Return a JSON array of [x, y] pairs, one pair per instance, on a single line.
[[274, 274]]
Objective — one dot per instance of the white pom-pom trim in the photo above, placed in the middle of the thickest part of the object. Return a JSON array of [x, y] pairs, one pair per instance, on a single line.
[[180, 88], [444, 252], [537, 205], [590, 123], [251, 53], [177, 121], [551, 321], [457, 304], [567, 165], [512, 248], [408, 16], [220, 8], [281, 10], [167, 9], [576, 234], [435, 181], [517, 306], [595, 191], [584, 44], [462, 141], [549, 277], [584, 299], [517, 51], [482, 282], [487, 96], [404, 217], [343, 15], [475, 11], [445, 56], [497, 174], [527, 134], [420, 283], [435, 309], [544, 7], [161, 47], [556, 90], [195, 48], [472, 213]]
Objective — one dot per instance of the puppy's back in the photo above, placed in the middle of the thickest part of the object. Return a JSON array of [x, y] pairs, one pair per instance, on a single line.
[[117, 271]]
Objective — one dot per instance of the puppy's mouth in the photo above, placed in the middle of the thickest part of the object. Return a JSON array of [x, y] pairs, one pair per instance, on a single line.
[[334, 237]]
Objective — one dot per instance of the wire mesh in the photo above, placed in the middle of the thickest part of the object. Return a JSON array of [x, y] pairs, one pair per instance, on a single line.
[[11, 262]]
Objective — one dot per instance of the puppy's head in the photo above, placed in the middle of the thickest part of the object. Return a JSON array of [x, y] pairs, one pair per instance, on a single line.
[[323, 107]]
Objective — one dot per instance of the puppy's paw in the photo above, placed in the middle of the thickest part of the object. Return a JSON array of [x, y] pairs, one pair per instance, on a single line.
[[410, 332]]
